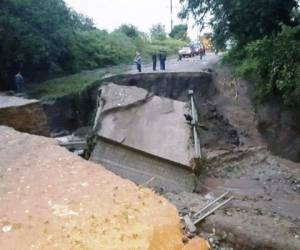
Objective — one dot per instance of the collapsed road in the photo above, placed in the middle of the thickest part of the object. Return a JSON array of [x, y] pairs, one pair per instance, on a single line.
[[141, 134], [134, 139]]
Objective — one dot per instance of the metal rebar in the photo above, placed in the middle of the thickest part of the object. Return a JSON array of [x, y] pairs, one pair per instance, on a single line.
[[213, 210], [210, 204], [197, 143]]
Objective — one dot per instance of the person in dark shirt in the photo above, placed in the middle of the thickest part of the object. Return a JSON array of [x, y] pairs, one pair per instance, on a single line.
[[154, 61], [19, 82], [162, 60]]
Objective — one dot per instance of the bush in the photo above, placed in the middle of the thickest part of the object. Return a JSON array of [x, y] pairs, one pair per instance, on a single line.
[[274, 62], [169, 46]]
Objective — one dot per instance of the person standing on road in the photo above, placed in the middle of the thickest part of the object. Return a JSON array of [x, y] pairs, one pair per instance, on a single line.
[[162, 60], [201, 53], [138, 61], [154, 61], [19, 82]]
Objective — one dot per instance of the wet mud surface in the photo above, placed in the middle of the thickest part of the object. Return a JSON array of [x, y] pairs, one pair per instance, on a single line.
[[265, 212]]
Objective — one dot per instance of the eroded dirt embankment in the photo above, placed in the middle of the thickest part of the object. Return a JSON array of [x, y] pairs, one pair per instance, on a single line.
[[270, 123], [280, 129], [26, 115]]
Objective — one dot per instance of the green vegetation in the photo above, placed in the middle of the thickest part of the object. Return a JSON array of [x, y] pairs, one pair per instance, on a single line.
[[46, 39], [71, 84], [147, 46], [274, 63], [169, 46], [158, 32], [179, 32], [38, 37], [265, 39], [59, 87]]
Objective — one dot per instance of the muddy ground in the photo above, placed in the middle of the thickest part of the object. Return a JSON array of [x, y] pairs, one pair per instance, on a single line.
[[265, 212]]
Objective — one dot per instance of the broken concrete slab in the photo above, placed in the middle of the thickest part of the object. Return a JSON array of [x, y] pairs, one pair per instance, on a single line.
[[72, 142], [141, 136], [51, 198], [115, 96], [25, 115], [112, 97], [7, 101], [154, 125]]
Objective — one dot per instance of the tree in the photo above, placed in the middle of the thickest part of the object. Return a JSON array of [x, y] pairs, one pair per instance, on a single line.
[[38, 37], [129, 30], [241, 20], [158, 32], [179, 32]]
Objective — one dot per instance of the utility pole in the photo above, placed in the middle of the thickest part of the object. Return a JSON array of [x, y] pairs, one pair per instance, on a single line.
[[171, 12]]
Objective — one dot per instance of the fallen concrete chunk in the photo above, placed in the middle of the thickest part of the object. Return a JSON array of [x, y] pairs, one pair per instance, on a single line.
[[142, 136], [23, 114], [52, 199], [155, 125], [189, 224], [115, 96], [72, 142]]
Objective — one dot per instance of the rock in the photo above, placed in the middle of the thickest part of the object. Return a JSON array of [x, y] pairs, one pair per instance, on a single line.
[[25, 115], [224, 235], [79, 152], [61, 133], [61, 195], [7, 228], [228, 213], [189, 224], [72, 142]]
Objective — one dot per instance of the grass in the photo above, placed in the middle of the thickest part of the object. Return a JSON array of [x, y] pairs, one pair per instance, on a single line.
[[72, 84]]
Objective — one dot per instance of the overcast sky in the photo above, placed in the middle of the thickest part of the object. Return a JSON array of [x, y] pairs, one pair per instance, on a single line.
[[110, 14]]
